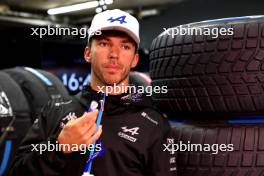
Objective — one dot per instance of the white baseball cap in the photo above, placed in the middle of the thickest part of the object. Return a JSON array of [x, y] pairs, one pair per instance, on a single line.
[[115, 20]]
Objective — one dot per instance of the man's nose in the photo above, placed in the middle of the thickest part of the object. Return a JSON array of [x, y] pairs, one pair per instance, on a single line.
[[114, 52]]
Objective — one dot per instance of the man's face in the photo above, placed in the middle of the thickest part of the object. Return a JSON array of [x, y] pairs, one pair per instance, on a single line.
[[111, 56]]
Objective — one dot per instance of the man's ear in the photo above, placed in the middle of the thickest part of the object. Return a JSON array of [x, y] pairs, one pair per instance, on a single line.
[[87, 54], [135, 61]]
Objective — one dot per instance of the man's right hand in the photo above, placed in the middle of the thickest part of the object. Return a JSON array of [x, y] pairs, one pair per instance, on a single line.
[[80, 131]]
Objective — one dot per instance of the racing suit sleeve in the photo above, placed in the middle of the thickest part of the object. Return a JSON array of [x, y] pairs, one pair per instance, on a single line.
[[162, 162], [28, 160]]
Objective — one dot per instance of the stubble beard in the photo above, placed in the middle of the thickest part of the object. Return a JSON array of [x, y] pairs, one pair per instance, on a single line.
[[103, 81]]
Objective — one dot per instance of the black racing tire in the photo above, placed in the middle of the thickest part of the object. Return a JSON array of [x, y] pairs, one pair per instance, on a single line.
[[246, 141], [15, 95], [205, 73], [56, 81], [38, 91], [17, 106], [139, 79]]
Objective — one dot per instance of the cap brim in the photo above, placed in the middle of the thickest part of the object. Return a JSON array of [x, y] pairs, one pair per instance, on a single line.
[[120, 28]]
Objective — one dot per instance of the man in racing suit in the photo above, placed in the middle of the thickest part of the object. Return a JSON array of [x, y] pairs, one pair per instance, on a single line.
[[134, 133]]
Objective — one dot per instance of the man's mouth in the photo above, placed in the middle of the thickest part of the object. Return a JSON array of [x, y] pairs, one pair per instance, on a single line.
[[112, 67]]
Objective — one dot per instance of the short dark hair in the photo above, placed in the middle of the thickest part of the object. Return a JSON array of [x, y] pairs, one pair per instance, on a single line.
[[114, 33]]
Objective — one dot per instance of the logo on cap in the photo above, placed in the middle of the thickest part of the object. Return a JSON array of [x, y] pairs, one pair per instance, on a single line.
[[121, 19]]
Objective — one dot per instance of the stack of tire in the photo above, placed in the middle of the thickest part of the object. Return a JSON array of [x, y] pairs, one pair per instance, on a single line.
[[215, 94], [13, 105], [23, 92]]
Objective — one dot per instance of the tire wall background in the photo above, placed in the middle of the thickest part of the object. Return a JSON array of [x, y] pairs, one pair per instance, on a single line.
[[229, 67]]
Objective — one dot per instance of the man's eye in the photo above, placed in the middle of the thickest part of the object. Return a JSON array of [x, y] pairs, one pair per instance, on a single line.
[[126, 47], [103, 44]]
